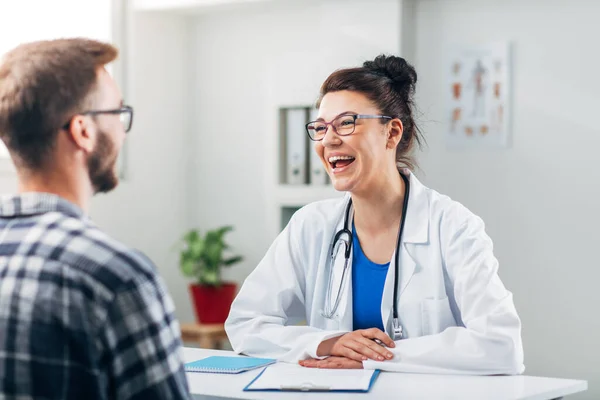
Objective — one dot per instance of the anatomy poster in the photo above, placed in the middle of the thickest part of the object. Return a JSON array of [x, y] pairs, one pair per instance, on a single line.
[[478, 93]]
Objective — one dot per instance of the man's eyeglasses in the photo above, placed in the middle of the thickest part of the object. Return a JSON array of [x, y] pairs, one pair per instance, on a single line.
[[343, 125], [125, 115]]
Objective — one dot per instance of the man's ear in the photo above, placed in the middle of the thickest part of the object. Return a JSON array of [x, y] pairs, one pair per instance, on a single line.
[[82, 132], [394, 133]]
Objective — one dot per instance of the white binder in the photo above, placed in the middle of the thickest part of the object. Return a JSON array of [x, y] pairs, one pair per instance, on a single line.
[[295, 146], [317, 174]]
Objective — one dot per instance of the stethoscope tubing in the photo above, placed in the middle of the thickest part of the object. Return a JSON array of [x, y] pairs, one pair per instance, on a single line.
[[335, 249]]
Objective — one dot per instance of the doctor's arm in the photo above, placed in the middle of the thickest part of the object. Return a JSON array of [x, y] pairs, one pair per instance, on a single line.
[[271, 300], [489, 343]]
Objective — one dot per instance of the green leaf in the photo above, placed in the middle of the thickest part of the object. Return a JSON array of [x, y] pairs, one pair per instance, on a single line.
[[222, 231], [211, 278], [197, 248], [233, 260], [188, 268], [191, 237]]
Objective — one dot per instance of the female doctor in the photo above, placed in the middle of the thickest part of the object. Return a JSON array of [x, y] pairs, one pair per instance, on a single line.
[[393, 276]]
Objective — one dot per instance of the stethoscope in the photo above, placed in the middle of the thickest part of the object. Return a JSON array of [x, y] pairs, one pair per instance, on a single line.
[[344, 237]]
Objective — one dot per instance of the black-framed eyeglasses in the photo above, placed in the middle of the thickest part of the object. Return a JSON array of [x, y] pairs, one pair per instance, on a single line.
[[125, 115], [342, 125]]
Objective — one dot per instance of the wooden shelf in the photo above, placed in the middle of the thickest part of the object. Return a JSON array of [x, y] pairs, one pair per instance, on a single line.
[[207, 336]]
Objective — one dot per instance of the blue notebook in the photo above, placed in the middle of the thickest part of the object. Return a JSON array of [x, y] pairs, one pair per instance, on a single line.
[[227, 365]]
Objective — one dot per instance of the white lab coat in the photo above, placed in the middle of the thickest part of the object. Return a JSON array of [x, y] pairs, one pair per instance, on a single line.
[[456, 314]]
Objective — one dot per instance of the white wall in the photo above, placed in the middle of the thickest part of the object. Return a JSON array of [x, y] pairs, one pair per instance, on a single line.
[[540, 197], [149, 209], [249, 63]]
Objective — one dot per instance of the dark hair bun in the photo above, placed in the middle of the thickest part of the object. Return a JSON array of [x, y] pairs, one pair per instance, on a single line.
[[401, 73]]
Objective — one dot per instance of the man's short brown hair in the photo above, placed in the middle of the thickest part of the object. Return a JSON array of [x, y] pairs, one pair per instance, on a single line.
[[42, 85]]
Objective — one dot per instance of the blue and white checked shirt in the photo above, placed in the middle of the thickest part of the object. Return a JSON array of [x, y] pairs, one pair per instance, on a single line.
[[82, 317]]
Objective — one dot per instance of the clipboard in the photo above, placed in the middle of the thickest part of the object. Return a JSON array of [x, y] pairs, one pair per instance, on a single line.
[[350, 384]]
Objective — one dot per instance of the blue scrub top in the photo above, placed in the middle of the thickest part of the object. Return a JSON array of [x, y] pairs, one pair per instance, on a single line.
[[368, 280]]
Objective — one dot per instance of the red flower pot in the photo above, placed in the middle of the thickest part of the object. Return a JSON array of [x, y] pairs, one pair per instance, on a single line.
[[211, 303]]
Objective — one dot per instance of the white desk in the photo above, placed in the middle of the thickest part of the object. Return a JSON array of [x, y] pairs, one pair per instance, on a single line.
[[389, 386]]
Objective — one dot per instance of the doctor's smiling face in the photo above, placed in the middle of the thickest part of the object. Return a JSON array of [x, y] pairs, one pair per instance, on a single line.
[[360, 142], [366, 130]]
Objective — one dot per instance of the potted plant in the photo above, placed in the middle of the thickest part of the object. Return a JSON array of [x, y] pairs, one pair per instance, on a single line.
[[202, 258]]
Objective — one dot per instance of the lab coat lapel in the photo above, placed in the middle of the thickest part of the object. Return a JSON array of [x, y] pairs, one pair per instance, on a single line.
[[407, 270], [416, 231]]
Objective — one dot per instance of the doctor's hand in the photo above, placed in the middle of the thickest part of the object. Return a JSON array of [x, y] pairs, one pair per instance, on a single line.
[[359, 345], [332, 363]]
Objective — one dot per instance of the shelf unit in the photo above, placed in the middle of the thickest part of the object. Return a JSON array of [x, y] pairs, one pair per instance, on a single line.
[[288, 197], [300, 195]]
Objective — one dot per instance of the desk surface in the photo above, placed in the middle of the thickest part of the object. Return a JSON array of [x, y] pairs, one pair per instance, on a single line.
[[389, 385]]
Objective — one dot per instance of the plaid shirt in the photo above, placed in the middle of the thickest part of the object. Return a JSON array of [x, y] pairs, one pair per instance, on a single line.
[[81, 316]]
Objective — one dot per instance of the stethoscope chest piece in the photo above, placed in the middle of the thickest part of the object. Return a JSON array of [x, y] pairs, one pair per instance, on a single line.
[[397, 329]]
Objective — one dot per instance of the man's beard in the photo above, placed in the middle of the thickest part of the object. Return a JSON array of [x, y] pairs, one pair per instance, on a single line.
[[101, 171]]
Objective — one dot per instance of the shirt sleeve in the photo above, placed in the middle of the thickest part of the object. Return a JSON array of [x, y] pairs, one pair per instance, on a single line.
[[272, 295]]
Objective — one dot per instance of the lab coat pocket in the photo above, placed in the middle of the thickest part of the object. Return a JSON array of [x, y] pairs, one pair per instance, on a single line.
[[436, 316]]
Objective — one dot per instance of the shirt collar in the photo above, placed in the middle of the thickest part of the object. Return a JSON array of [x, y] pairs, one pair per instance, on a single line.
[[34, 203]]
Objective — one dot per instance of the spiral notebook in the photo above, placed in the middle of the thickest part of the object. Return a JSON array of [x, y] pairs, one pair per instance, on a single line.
[[227, 365]]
